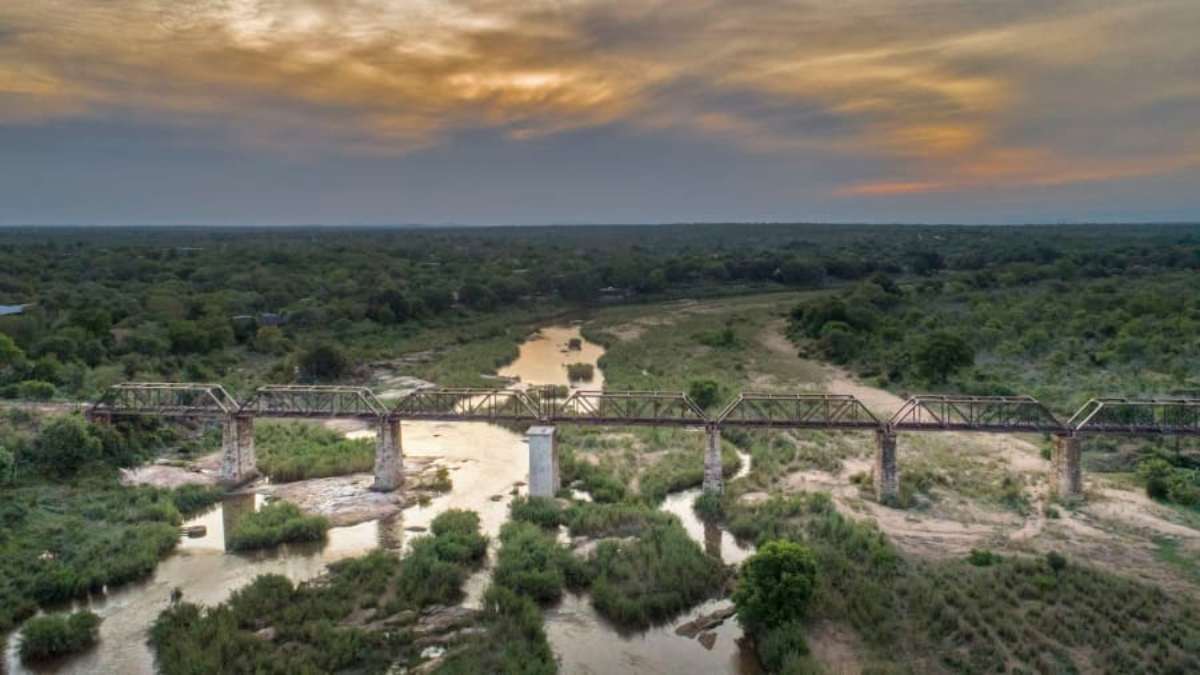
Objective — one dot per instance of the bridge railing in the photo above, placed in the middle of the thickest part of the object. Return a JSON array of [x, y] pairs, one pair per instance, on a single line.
[[975, 413], [467, 403], [314, 401], [637, 408], [1175, 416], [798, 411]]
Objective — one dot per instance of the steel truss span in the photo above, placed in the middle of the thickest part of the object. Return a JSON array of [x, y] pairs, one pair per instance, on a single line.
[[1000, 414]]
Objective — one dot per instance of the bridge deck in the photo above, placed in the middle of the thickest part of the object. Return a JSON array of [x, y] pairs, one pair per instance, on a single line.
[[548, 405]]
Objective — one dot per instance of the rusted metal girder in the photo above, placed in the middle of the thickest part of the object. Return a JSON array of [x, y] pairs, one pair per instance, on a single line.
[[314, 401], [798, 411], [975, 413], [634, 408], [1171, 416], [165, 399], [466, 403]]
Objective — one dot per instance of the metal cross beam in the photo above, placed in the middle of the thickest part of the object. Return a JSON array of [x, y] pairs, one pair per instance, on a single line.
[[798, 411], [464, 403], [1176, 416], [636, 408], [302, 401], [975, 413], [166, 399]]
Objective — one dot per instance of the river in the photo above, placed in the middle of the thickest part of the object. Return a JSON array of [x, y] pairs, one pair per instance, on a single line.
[[488, 462]]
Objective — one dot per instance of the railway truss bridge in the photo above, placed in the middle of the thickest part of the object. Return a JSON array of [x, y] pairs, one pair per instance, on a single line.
[[543, 408]]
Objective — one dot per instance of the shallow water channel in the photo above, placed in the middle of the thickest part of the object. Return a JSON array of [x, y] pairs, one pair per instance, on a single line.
[[487, 464]]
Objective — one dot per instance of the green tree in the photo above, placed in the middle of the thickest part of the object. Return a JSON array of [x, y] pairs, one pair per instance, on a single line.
[[941, 354], [65, 445], [704, 393], [323, 362], [776, 586]]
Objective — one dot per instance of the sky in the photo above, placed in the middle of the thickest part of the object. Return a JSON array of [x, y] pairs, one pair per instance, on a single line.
[[587, 111]]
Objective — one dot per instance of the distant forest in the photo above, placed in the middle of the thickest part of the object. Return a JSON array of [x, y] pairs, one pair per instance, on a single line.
[[1037, 309]]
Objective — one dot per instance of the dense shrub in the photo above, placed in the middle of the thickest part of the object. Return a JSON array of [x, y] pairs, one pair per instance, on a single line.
[[54, 635], [775, 586], [580, 372], [542, 511], [290, 452], [780, 646], [533, 564], [653, 578], [456, 536], [275, 524], [704, 393], [65, 445]]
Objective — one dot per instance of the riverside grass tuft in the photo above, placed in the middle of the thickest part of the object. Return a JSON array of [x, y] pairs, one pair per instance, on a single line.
[[274, 524]]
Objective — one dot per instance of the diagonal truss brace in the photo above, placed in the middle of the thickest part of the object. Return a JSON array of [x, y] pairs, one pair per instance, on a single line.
[[1174, 416], [798, 411], [314, 401], [975, 413]]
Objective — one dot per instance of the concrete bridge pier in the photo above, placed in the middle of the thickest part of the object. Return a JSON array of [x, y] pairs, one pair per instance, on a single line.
[[238, 464], [544, 480], [714, 478], [887, 473], [1068, 473], [389, 456]]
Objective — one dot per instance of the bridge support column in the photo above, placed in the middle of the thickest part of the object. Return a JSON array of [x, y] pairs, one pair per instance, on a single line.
[[714, 478], [887, 473], [389, 456], [238, 463], [544, 480], [1068, 474]]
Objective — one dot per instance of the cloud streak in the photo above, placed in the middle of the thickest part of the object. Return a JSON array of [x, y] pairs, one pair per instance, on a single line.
[[926, 95]]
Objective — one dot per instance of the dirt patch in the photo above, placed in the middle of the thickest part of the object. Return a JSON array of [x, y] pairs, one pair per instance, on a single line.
[[836, 647], [171, 474]]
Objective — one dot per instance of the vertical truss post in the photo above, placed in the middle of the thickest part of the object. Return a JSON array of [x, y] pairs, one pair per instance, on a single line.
[[714, 479], [887, 472], [389, 455], [1068, 471]]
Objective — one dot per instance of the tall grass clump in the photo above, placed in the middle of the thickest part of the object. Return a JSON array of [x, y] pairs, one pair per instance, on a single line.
[[533, 564], [54, 635], [274, 524], [288, 451]]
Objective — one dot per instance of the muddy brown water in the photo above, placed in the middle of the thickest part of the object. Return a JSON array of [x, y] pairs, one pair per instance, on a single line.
[[488, 463]]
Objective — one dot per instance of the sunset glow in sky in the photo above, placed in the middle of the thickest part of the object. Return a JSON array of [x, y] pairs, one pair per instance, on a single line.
[[490, 111]]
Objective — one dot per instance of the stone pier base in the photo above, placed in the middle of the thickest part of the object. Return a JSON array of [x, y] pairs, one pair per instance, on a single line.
[[887, 473], [238, 463], [1068, 474], [714, 478], [544, 480], [389, 456]]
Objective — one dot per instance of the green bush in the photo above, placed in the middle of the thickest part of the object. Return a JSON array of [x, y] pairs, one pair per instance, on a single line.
[[65, 445], [780, 645], [35, 390], [274, 524], [54, 635], [541, 511], [456, 536], [775, 586], [653, 578], [290, 452], [981, 557], [533, 564], [580, 372], [704, 393]]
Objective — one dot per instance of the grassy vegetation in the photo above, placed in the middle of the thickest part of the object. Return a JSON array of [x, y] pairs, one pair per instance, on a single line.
[[288, 451], [54, 635], [580, 372], [532, 564], [955, 616], [62, 541], [358, 618], [274, 524]]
